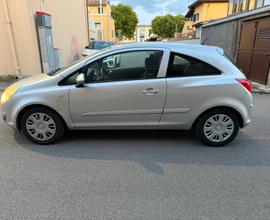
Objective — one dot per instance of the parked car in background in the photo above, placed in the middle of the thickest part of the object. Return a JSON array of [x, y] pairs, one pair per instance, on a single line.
[[135, 86], [95, 46]]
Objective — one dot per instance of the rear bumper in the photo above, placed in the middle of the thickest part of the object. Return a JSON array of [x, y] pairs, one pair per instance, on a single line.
[[247, 117]]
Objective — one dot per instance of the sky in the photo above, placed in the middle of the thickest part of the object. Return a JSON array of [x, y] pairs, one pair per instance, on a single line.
[[148, 9]]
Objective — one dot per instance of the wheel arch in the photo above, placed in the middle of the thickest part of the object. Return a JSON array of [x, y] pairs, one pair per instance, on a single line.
[[236, 112], [23, 110]]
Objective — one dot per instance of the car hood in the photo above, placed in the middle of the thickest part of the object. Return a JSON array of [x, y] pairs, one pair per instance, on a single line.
[[88, 52], [32, 80]]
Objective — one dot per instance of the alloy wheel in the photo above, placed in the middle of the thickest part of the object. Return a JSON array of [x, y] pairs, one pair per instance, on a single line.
[[218, 128], [40, 126]]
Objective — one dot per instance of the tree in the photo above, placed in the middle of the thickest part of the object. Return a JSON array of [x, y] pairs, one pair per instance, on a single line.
[[166, 26], [125, 20], [180, 21]]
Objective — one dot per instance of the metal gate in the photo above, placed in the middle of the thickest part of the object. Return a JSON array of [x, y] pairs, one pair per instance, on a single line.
[[254, 50]]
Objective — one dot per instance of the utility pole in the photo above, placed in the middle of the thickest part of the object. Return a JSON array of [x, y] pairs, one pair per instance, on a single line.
[[87, 21], [101, 19], [42, 6], [11, 38]]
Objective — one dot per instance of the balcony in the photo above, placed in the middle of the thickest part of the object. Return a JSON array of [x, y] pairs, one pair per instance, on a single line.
[[239, 6]]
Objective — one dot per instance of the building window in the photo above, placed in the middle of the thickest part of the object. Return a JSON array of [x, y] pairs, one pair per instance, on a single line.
[[242, 4], [259, 3], [235, 6], [98, 25], [195, 18], [230, 7], [141, 32], [100, 11], [251, 4], [266, 2]]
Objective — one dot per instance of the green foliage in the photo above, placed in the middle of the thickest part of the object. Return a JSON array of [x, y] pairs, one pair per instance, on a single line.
[[166, 26], [180, 21], [125, 20]]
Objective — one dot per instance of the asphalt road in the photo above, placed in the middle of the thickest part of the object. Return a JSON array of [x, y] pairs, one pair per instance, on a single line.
[[138, 175]]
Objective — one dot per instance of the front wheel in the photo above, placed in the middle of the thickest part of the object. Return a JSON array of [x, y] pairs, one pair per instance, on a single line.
[[218, 127], [42, 126]]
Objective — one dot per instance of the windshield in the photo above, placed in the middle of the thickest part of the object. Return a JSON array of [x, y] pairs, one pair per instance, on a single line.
[[56, 72], [99, 45]]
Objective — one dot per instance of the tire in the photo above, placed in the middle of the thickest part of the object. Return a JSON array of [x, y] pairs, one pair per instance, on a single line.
[[217, 127], [42, 125]]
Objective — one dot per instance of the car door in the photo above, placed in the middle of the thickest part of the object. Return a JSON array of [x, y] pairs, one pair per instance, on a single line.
[[190, 84], [122, 90]]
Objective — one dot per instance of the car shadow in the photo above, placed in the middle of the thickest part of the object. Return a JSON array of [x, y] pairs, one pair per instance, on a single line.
[[153, 149]]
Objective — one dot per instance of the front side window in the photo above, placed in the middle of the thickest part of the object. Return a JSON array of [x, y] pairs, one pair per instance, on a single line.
[[185, 66], [134, 65]]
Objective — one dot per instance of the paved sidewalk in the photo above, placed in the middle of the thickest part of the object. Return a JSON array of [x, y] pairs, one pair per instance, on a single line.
[[259, 88], [4, 85], [127, 175]]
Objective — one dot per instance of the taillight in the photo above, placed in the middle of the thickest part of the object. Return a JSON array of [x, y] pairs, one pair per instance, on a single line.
[[246, 84]]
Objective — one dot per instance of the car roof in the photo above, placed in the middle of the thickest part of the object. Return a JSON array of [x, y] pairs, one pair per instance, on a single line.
[[100, 41], [173, 46], [209, 54]]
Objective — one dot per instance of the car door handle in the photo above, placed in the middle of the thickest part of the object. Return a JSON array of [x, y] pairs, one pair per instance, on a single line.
[[150, 91]]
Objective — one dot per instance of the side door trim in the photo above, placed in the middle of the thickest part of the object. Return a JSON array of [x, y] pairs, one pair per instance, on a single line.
[[133, 112]]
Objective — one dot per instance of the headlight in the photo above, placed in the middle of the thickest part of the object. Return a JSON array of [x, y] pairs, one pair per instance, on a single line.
[[8, 93]]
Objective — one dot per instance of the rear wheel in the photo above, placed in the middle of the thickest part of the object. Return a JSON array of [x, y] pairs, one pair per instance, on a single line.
[[218, 127], [42, 126]]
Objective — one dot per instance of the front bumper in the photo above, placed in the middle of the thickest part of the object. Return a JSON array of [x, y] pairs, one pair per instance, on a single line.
[[8, 121], [4, 116]]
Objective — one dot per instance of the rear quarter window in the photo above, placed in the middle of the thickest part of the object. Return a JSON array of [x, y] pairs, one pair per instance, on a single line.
[[185, 66]]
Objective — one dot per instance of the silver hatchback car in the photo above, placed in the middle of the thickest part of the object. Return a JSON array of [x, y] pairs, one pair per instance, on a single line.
[[135, 86]]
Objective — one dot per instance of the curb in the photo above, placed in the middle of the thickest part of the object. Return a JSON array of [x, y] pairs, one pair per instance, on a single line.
[[261, 92]]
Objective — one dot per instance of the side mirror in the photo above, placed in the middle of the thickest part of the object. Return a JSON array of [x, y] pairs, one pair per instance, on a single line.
[[80, 80]]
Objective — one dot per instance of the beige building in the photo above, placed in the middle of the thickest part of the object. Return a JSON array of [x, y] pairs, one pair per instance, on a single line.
[[143, 33], [19, 45], [201, 12], [188, 29], [103, 27]]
